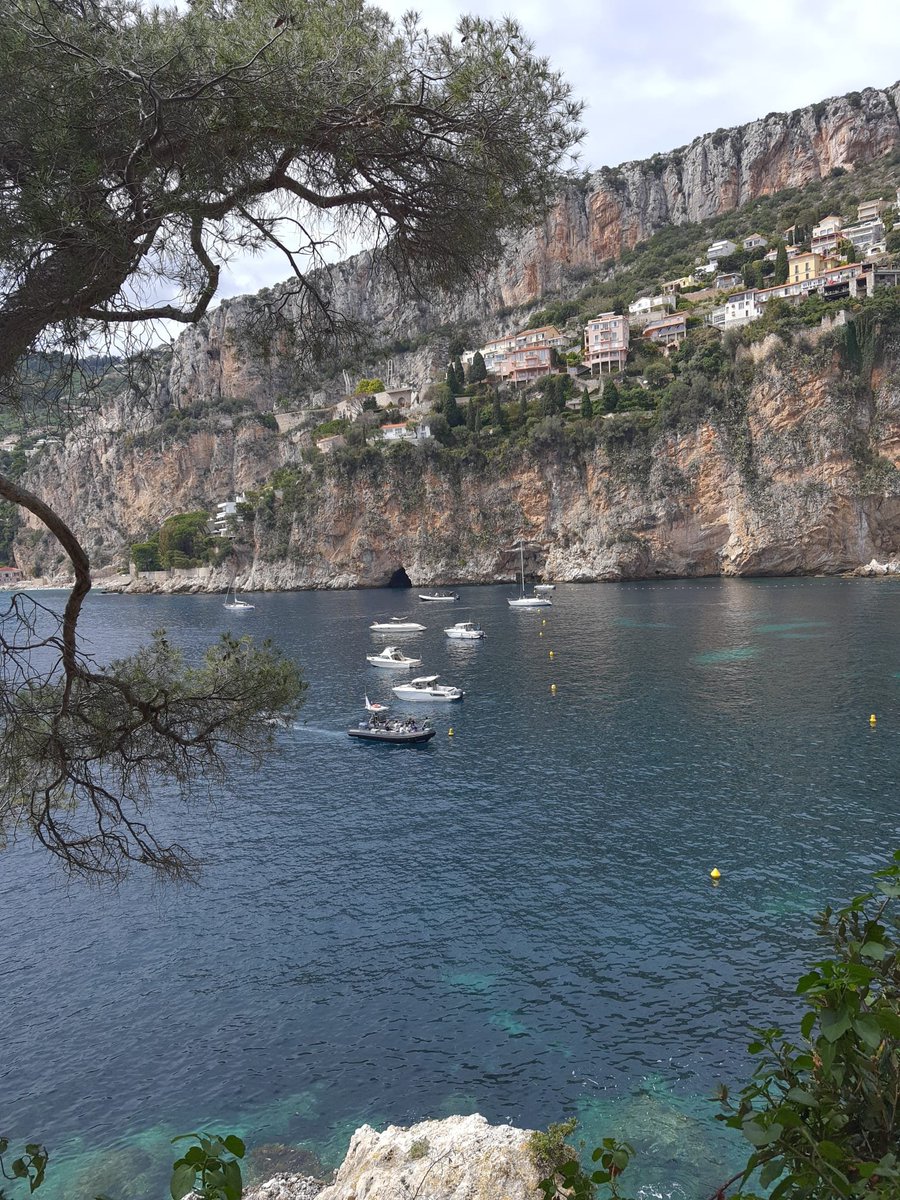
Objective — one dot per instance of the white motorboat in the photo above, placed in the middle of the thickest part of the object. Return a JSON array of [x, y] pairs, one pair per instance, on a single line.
[[393, 659], [523, 601], [426, 687], [465, 631], [233, 604], [440, 597], [396, 625], [375, 707], [545, 587]]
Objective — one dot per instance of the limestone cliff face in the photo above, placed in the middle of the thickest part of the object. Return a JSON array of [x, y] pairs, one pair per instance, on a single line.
[[800, 475], [229, 354], [718, 172]]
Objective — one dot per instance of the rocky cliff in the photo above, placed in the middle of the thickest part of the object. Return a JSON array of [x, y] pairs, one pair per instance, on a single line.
[[804, 480], [799, 473], [232, 354]]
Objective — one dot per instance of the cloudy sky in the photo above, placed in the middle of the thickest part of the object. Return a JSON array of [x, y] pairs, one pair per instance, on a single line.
[[656, 73]]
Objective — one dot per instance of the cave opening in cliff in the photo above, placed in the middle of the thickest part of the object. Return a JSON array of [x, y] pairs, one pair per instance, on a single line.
[[399, 579]]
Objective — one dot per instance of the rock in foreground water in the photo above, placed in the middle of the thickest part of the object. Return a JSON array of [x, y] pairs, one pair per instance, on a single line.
[[459, 1158]]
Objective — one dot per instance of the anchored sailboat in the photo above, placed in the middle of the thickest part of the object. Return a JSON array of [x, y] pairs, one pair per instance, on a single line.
[[524, 601]]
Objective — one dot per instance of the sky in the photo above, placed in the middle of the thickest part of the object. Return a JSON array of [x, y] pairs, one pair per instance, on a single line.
[[657, 73]]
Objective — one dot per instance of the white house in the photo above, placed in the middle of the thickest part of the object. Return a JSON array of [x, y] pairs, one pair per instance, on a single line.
[[227, 517], [755, 241], [400, 431], [645, 307], [739, 309], [865, 234], [720, 250]]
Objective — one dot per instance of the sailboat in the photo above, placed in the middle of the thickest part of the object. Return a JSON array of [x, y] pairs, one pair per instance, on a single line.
[[232, 603], [523, 601]]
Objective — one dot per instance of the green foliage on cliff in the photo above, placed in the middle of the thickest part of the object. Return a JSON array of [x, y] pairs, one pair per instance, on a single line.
[[369, 387]]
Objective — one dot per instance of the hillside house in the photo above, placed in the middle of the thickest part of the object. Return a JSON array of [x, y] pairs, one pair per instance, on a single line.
[[667, 331], [494, 352], [402, 431], [720, 249], [526, 363], [865, 235], [806, 266], [728, 280], [647, 306], [606, 340], [755, 242], [870, 210], [826, 235], [396, 397], [9, 576], [227, 517], [739, 309], [673, 286]]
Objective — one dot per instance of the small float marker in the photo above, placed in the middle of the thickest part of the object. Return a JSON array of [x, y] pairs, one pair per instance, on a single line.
[[553, 689], [715, 873], [450, 731], [551, 653], [873, 720], [543, 620]]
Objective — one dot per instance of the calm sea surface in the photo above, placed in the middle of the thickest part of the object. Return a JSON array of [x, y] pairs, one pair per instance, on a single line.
[[516, 920]]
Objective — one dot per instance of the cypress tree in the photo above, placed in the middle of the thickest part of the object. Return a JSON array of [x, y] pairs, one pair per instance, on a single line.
[[610, 397], [587, 410], [451, 380], [497, 411], [523, 408], [781, 264], [477, 371], [452, 411]]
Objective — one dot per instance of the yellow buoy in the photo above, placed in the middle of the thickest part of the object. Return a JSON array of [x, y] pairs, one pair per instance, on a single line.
[[715, 873], [541, 633], [873, 719], [450, 731], [543, 620], [551, 653], [553, 688]]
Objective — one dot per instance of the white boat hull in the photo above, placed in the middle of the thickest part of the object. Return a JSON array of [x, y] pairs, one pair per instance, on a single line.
[[391, 664], [397, 627], [465, 635], [530, 602], [440, 599], [439, 695]]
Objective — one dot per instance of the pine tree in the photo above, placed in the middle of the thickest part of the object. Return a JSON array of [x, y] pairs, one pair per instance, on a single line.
[[781, 264], [610, 397]]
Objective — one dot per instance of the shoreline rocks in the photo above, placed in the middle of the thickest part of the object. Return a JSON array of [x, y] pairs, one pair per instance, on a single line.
[[457, 1158]]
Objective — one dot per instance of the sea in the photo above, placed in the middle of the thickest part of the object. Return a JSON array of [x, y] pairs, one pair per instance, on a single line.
[[516, 919]]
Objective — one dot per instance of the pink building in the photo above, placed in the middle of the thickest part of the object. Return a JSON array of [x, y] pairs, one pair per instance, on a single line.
[[526, 363], [606, 344]]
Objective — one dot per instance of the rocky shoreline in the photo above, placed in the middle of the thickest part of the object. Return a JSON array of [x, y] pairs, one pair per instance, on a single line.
[[189, 583]]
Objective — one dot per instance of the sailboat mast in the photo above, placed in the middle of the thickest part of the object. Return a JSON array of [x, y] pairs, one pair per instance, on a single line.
[[522, 566]]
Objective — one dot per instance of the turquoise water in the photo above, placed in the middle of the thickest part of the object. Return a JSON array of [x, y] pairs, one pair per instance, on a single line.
[[517, 920]]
